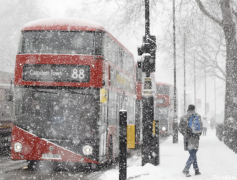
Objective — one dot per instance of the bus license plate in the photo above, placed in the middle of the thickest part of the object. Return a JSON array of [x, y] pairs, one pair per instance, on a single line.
[[51, 156]]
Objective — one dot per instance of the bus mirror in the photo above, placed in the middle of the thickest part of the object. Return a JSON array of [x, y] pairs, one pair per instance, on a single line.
[[139, 62], [9, 97]]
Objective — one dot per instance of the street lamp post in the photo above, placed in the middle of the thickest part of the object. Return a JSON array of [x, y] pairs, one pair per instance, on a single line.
[[194, 70], [175, 120], [215, 98], [205, 91], [184, 73]]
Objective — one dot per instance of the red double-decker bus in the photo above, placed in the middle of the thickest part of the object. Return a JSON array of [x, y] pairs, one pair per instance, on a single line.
[[164, 107], [71, 79]]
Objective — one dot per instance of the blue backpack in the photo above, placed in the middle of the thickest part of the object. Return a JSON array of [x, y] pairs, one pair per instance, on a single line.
[[194, 124]]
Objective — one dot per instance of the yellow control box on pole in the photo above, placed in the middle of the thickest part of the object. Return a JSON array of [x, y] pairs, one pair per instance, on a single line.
[[154, 128], [131, 136]]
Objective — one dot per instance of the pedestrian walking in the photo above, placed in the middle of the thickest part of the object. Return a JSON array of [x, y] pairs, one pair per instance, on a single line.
[[204, 133], [213, 123], [190, 127]]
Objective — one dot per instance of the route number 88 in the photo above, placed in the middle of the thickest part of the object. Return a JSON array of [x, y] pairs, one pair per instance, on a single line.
[[78, 73]]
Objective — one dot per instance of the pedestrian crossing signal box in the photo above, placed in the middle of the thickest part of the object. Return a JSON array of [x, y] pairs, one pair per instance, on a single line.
[[147, 88]]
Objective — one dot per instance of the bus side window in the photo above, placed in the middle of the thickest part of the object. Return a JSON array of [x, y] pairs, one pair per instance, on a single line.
[[98, 43], [119, 106], [112, 108], [107, 51], [121, 55], [117, 109]]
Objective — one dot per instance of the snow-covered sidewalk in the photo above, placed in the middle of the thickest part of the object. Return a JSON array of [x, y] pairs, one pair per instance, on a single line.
[[215, 161]]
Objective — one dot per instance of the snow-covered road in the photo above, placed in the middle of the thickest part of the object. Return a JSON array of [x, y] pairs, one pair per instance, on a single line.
[[216, 161]]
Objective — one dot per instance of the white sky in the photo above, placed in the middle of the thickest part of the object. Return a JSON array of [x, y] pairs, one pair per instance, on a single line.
[[57, 7]]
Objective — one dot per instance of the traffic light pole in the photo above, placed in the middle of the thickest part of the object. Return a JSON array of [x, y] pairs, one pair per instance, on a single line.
[[147, 19], [150, 145]]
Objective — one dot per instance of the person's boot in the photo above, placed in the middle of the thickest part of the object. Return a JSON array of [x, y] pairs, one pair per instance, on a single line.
[[197, 172], [186, 173]]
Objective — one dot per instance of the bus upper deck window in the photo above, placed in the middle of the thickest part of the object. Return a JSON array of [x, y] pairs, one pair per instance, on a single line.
[[98, 43], [57, 42]]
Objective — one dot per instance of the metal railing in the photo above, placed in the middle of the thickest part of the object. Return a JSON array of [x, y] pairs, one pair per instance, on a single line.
[[228, 135]]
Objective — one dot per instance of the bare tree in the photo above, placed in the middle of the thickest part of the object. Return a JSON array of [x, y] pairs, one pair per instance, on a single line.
[[227, 22], [208, 49]]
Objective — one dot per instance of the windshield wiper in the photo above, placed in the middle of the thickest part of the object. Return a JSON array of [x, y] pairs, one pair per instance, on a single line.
[[67, 140], [44, 91], [74, 92]]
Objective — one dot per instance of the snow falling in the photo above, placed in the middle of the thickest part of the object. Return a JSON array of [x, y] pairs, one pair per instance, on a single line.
[[78, 100]]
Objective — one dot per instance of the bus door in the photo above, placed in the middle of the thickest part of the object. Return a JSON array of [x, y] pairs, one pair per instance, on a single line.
[[119, 106], [103, 129]]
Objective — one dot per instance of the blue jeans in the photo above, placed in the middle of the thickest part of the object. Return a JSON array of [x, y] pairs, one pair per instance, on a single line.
[[192, 160]]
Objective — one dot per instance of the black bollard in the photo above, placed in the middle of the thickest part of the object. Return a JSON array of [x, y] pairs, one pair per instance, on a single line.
[[122, 144]]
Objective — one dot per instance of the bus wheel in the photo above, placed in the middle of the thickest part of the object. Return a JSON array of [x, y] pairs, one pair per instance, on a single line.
[[45, 166], [31, 165], [94, 167]]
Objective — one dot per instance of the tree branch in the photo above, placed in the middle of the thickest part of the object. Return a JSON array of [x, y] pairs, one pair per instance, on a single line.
[[212, 65], [234, 12], [221, 78], [203, 9]]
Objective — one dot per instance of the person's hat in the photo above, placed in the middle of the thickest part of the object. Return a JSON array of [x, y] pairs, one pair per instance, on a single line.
[[191, 107]]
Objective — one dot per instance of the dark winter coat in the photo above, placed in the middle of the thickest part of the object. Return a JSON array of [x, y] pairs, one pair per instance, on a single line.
[[190, 142]]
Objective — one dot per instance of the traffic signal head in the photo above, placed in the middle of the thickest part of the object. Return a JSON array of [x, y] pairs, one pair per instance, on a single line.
[[148, 53], [139, 62], [146, 57], [144, 48], [139, 50], [152, 51]]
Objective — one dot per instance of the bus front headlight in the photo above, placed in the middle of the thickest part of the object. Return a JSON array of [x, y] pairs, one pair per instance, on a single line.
[[163, 128], [87, 150], [17, 147]]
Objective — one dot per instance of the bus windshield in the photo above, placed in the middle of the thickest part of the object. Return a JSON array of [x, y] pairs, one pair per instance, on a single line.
[[161, 113], [57, 114], [162, 89], [58, 42]]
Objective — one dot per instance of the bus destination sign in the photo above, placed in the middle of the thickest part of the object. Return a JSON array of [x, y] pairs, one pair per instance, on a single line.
[[56, 73]]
